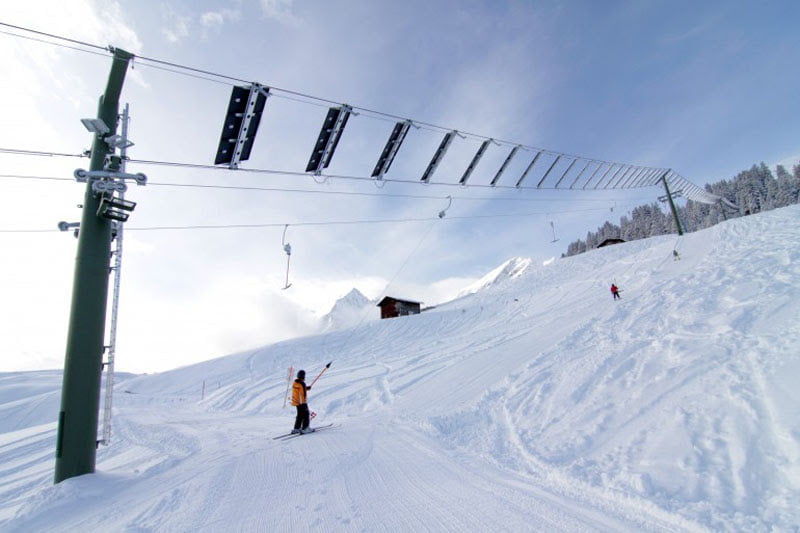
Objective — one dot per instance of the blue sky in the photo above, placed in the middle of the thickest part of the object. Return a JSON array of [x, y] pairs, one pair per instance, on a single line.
[[705, 88]]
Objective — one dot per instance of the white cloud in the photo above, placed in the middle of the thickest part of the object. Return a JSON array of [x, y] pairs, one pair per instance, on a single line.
[[212, 19], [280, 10], [789, 162], [178, 31], [96, 22], [231, 314]]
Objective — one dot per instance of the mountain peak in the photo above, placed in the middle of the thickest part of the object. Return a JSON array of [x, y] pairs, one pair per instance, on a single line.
[[510, 269], [348, 311], [355, 296]]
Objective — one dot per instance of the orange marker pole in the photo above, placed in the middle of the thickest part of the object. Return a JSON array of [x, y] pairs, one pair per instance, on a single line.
[[320, 374]]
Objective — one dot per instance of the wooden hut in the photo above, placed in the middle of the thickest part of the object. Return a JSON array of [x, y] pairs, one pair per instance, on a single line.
[[609, 242], [393, 307]]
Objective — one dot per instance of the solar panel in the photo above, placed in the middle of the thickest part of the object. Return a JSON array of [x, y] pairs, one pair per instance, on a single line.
[[504, 165], [601, 177], [611, 179], [594, 173], [328, 138], [580, 173], [633, 177], [626, 174], [564, 175], [474, 162], [396, 138], [556, 160], [240, 126], [437, 157], [527, 170]]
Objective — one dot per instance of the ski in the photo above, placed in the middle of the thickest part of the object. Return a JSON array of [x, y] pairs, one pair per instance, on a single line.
[[291, 435]]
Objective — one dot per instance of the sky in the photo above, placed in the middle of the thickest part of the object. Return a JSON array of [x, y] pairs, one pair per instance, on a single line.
[[707, 90]]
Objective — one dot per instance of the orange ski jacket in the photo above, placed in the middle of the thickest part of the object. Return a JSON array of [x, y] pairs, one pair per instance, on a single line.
[[298, 392]]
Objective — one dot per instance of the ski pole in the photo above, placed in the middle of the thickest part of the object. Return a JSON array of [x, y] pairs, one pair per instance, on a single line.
[[288, 382], [320, 374]]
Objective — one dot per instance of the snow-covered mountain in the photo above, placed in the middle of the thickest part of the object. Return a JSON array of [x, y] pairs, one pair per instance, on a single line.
[[540, 404], [350, 310], [511, 269]]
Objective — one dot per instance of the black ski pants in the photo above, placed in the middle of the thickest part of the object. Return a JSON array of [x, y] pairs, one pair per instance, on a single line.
[[302, 420]]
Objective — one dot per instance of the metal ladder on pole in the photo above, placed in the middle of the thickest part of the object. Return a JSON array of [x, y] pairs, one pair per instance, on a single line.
[[117, 267]]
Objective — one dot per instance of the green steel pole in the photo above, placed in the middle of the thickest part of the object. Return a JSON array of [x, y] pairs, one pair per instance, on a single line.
[[671, 203], [76, 445]]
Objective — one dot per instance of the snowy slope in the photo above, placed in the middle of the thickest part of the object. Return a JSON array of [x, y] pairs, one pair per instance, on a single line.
[[538, 405]]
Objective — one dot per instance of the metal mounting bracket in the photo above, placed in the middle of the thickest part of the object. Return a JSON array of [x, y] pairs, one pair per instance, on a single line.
[[84, 175], [102, 187]]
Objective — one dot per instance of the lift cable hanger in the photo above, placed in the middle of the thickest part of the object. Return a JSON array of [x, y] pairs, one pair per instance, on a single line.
[[288, 249], [552, 226]]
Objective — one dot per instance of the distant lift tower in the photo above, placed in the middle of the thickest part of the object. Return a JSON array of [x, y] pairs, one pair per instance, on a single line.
[[669, 198]]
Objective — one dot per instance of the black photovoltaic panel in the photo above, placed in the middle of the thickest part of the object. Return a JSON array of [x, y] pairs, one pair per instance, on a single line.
[[329, 136], [437, 157], [627, 174], [474, 161], [580, 173], [661, 177], [237, 111], [504, 165], [596, 185], [633, 177], [564, 175], [650, 179], [613, 183], [601, 177], [557, 159], [396, 138], [337, 135], [594, 173], [325, 133], [643, 177], [527, 170]]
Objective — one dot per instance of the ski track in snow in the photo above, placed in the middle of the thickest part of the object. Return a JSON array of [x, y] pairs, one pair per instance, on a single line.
[[535, 404]]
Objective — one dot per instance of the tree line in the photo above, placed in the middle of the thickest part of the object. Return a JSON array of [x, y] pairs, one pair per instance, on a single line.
[[752, 191]]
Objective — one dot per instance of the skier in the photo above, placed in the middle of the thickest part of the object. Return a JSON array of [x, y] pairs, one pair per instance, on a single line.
[[675, 255], [615, 291], [299, 389]]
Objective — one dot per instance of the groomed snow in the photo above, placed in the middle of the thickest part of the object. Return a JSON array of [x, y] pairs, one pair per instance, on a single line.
[[535, 404]]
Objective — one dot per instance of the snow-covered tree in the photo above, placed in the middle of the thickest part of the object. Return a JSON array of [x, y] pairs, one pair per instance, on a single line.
[[754, 190]]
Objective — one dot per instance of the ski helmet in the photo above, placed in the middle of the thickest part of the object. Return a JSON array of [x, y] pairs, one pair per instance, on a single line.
[[301, 374]]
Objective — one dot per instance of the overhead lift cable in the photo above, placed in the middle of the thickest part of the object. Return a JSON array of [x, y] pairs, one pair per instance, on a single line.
[[332, 222], [330, 192], [692, 191], [216, 76]]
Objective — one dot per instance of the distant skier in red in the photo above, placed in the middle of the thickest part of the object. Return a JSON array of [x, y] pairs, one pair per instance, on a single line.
[[615, 291], [299, 389]]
